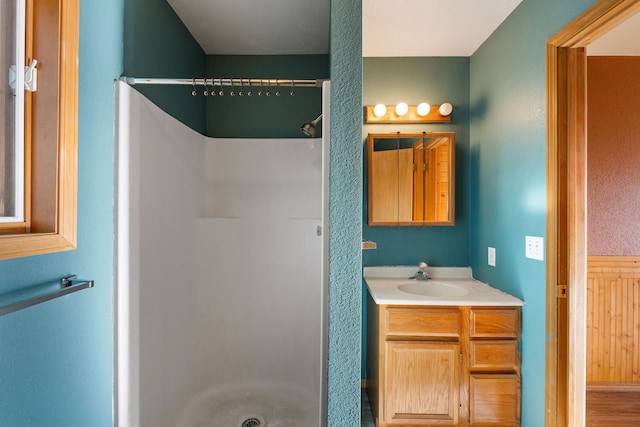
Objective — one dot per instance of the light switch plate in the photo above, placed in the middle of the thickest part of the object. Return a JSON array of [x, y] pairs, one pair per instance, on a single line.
[[534, 247], [491, 256]]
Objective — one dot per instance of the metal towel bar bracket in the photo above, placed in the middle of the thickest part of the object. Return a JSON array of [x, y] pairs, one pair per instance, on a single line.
[[23, 298]]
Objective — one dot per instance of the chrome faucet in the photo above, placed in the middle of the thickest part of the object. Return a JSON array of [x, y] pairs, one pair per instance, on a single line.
[[422, 274]]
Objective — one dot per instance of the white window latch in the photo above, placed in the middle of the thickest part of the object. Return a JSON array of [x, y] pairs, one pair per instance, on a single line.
[[30, 76]]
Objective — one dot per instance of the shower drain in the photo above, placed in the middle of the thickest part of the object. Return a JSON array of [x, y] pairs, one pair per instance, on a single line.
[[252, 421]]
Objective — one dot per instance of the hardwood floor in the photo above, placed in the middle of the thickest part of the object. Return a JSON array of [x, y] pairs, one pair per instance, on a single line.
[[609, 406]]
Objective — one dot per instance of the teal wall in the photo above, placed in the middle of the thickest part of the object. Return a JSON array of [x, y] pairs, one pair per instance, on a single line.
[[508, 171], [265, 116], [158, 45], [56, 358], [345, 214], [414, 80]]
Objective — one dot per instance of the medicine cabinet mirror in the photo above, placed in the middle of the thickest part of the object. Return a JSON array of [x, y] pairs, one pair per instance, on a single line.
[[411, 178]]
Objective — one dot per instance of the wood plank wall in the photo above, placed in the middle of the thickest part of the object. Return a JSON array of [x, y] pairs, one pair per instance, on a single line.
[[613, 319]]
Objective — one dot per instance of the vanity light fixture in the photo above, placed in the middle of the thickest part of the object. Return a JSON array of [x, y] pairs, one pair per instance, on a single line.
[[402, 108], [445, 109], [403, 113], [380, 110], [423, 109]]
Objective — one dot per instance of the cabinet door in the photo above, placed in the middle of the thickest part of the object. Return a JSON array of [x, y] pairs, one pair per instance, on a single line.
[[495, 400], [422, 383]]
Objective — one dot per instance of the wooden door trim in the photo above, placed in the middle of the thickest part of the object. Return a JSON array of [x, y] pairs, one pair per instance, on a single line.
[[566, 204]]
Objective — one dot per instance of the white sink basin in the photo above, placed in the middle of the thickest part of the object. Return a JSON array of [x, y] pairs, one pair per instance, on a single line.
[[448, 286], [433, 289]]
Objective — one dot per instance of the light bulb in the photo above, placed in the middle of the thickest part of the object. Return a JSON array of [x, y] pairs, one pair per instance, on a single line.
[[423, 109], [380, 110], [402, 108], [446, 109]]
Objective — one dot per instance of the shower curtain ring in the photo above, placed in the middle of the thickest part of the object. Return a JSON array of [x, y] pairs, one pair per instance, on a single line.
[[193, 83], [260, 90], [213, 87], [250, 92], [241, 92], [268, 87], [277, 88], [293, 87], [232, 92], [206, 89], [221, 93]]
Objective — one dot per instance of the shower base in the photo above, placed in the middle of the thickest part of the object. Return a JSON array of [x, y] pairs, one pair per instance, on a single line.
[[252, 405]]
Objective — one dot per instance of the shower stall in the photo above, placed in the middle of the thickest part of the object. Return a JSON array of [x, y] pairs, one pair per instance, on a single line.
[[221, 274]]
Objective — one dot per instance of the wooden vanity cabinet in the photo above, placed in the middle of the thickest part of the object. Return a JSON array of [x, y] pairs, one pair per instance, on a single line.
[[443, 366], [494, 366]]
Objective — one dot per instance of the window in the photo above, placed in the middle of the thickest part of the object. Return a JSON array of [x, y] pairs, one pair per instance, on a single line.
[[12, 107], [38, 173]]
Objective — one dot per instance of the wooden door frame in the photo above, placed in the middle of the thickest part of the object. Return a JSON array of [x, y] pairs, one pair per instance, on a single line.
[[566, 208]]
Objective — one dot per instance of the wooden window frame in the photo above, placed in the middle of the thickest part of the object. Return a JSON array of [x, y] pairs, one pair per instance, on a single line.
[[51, 134]]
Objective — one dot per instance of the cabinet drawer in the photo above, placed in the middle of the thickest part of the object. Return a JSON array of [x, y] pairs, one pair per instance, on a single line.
[[494, 355], [422, 322], [495, 323], [494, 400]]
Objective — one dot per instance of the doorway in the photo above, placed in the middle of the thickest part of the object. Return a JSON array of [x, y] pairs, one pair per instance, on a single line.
[[566, 206]]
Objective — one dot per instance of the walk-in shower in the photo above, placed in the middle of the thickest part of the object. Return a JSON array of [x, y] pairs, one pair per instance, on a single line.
[[221, 295]]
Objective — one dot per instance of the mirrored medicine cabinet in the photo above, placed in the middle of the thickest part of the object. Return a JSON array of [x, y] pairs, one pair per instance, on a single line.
[[411, 179]]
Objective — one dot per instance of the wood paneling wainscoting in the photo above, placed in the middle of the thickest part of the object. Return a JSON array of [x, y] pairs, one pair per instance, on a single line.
[[613, 337], [613, 319], [613, 404]]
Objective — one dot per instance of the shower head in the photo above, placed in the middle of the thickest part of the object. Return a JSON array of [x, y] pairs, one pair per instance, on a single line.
[[309, 128]]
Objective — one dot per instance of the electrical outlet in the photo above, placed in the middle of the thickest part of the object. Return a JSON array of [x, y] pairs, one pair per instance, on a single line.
[[491, 256], [534, 247]]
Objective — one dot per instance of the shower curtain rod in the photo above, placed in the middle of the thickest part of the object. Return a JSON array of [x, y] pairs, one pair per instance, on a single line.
[[231, 82]]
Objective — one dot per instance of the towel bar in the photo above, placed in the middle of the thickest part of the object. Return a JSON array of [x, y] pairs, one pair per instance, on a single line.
[[18, 301]]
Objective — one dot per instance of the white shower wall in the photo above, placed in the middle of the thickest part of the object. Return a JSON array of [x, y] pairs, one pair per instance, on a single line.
[[264, 178], [219, 263], [257, 302]]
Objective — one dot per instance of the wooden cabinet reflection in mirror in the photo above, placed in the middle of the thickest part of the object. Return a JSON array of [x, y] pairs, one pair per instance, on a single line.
[[411, 178]]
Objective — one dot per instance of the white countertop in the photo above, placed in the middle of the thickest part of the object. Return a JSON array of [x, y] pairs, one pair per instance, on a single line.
[[384, 283]]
